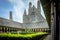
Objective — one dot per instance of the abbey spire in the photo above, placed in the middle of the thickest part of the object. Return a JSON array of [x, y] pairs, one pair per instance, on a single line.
[[38, 4], [25, 12], [24, 16], [11, 15], [30, 4]]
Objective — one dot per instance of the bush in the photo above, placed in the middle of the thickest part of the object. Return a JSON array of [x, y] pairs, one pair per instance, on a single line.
[[27, 36], [38, 37]]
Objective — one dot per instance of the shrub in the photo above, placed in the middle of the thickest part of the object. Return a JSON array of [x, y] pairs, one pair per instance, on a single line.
[[27, 36]]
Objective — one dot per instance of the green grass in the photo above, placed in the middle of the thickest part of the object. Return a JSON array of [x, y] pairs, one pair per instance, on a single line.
[[23, 35]]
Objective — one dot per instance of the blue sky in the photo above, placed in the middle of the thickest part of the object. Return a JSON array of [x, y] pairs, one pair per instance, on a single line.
[[17, 7]]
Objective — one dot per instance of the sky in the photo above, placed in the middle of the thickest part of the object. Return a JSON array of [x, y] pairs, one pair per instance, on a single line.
[[17, 7]]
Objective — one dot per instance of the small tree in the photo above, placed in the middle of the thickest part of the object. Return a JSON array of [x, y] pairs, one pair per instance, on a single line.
[[27, 30]]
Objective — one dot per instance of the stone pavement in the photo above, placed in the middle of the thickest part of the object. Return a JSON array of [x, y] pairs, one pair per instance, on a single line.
[[48, 37]]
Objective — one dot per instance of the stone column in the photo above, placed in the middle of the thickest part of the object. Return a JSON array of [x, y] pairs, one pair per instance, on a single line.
[[13, 29], [52, 20], [31, 29], [39, 29], [1, 29], [59, 28], [4, 30], [35, 30], [7, 30], [45, 30]]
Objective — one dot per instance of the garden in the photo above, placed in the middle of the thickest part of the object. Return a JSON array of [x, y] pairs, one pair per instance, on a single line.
[[27, 35]]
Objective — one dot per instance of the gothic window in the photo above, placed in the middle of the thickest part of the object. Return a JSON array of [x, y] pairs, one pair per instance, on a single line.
[[33, 16]]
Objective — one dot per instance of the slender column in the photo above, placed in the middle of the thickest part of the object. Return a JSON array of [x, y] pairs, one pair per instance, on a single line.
[[4, 29], [7, 30], [35, 30], [32, 29], [45, 30], [59, 28], [56, 22], [42, 29], [52, 21], [39, 29], [1, 29], [14, 29]]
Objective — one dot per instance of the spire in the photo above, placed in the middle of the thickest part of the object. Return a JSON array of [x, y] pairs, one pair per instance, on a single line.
[[25, 12], [33, 7], [30, 4], [24, 16], [10, 15], [38, 4]]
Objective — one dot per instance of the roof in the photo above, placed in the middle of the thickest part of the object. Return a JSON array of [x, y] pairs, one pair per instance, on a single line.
[[10, 23]]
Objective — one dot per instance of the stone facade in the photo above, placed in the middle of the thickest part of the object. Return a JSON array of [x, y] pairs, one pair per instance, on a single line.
[[34, 14]]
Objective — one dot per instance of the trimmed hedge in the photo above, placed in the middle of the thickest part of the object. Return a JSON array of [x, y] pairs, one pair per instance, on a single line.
[[21, 38], [34, 36]]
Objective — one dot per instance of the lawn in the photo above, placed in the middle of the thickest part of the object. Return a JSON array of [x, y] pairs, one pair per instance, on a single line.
[[24, 36]]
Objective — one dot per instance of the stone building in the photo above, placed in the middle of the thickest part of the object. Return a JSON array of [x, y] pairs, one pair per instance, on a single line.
[[34, 21]]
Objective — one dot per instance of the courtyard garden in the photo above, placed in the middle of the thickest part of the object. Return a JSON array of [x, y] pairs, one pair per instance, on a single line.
[[25, 35]]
